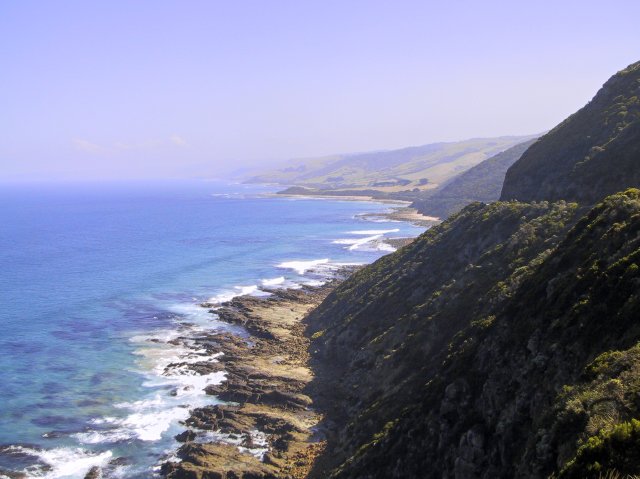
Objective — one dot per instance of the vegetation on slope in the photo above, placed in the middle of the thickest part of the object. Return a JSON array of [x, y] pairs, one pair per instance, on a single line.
[[499, 344], [482, 183], [504, 342], [593, 153], [420, 167], [388, 330]]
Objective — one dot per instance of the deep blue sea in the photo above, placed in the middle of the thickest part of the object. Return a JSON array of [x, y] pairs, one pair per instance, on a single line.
[[95, 278]]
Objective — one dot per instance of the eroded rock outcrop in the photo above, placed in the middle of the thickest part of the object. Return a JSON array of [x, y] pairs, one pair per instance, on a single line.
[[263, 428]]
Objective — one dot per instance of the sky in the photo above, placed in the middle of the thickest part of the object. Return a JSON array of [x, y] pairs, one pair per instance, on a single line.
[[177, 89]]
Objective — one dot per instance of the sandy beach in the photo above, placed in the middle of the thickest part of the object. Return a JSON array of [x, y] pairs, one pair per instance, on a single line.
[[404, 213], [401, 212], [411, 215], [339, 198]]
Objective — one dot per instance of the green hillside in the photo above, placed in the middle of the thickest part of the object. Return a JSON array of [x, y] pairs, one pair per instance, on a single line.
[[496, 345], [421, 167], [482, 183], [502, 343], [591, 154]]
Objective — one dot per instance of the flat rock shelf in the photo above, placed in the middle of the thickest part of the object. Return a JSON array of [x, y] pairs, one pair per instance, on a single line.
[[265, 426]]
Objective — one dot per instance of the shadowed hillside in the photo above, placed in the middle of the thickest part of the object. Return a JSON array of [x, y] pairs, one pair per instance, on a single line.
[[593, 153], [503, 342]]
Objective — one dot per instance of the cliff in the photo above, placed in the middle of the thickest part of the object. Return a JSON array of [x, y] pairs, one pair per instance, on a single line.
[[503, 342], [471, 352], [592, 154]]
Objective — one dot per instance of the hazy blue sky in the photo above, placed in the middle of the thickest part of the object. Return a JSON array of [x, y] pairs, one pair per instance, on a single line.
[[159, 88]]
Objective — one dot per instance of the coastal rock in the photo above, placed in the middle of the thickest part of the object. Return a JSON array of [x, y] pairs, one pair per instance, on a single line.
[[200, 368], [12, 474], [94, 473], [265, 387], [257, 394], [186, 436], [208, 461]]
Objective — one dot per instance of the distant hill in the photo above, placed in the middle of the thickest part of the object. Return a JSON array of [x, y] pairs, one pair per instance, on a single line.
[[482, 183], [419, 167], [591, 154]]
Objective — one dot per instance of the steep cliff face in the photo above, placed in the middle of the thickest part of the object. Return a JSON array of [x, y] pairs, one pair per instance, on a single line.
[[592, 154], [503, 342], [471, 352], [383, 336]]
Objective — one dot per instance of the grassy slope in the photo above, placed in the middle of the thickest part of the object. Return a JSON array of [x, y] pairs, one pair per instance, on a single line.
[[435, 162], [472, 351], [482, 183], [505, 341]]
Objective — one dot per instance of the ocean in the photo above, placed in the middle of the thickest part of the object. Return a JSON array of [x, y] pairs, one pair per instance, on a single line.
[[97, 278]]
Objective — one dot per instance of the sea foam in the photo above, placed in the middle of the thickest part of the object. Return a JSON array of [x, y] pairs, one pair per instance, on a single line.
[[228, 295], [165, 357], [301, 267], [273, 281], [360, 243], [373, 232], [62, 462]]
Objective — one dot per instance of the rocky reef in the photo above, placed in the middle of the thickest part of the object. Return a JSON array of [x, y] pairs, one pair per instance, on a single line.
[[263, 426]]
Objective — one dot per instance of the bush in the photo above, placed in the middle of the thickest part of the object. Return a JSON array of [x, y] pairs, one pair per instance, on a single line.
[[616, 449]]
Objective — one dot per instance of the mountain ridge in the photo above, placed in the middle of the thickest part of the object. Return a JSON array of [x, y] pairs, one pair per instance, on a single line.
[[482, 182], [592, 151], [417, 167], [504, 341]]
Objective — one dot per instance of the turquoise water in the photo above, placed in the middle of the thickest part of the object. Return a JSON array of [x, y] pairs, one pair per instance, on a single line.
[[95, 278]]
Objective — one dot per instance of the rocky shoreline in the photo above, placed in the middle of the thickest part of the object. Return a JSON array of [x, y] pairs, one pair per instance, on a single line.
[[264, 426]]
